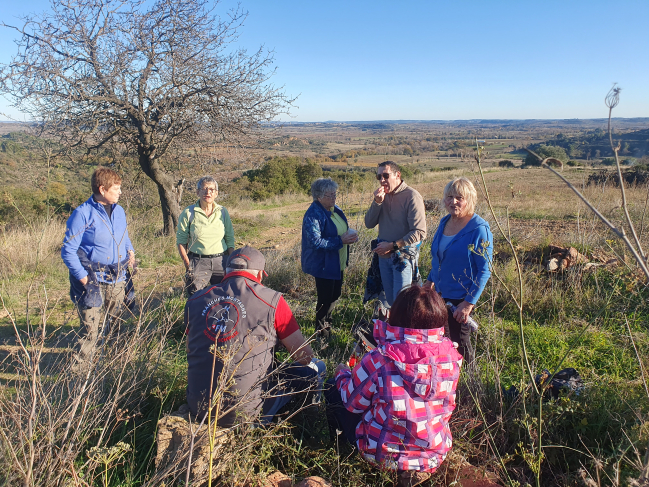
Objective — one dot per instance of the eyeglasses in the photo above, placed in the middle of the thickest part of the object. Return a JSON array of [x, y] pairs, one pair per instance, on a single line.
[[331, 195], [209, 190], [383, 175]]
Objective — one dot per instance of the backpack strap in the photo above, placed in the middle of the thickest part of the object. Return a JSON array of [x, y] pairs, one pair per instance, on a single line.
[[191, 216]]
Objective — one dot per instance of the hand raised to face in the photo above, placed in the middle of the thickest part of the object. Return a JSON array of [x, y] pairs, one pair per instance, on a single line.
[[379, 195]]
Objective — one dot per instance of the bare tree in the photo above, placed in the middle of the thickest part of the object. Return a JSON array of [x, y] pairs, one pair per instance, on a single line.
[[149, 77]]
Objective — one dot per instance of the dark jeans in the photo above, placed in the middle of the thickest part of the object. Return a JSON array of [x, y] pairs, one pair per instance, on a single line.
[[338, 417], [328, 293], [460, 333], [293, 382]]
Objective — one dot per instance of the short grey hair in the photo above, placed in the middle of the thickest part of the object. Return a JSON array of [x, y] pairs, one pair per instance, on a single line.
[[206, 179], [321, 186]]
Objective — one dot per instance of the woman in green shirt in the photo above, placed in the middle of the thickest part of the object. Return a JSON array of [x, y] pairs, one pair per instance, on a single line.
[[205, 237]]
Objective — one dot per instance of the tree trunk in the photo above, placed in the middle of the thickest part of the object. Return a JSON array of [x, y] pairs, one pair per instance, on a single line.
[[168, 193], [170, 209]]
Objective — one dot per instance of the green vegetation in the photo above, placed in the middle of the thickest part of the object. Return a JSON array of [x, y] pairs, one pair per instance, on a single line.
[[278, 175], [545, 151], [587, 316]]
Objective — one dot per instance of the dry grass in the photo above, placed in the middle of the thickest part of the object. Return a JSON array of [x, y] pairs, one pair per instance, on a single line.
[[485, 425], [21, 250]]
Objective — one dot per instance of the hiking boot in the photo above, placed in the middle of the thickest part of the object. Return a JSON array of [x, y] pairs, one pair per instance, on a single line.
[[411, 478], [324, 331]]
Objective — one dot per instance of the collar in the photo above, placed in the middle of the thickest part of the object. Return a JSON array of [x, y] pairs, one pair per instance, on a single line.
[[241, 274], [197, 206], [333, 208], [385, 333], [471, 225], [98, 205], [401, 187]]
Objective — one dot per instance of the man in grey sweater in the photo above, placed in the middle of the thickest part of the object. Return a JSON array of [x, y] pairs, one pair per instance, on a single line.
[[399, 212]]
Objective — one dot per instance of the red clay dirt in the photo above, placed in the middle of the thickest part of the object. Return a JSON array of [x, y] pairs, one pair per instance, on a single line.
[[470, 476]]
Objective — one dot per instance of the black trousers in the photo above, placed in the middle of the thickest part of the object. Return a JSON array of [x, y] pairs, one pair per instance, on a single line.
[[328, 293], [460, 333], [338, 417]]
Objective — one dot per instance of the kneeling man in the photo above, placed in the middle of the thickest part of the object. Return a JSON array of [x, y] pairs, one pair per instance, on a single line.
[[233, 329]]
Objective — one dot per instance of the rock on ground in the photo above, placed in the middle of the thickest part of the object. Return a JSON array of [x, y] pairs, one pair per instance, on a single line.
[[313, 482], [277, 479], [174, 439]]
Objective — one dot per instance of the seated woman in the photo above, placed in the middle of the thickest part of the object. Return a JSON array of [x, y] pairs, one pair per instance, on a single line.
[[396, 404]]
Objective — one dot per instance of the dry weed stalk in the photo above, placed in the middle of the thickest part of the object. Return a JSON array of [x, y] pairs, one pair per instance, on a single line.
[[535, 458], [54, 416], [612, 100]]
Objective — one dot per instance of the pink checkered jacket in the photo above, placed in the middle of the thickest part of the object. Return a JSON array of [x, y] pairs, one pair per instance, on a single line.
[[406, 389]]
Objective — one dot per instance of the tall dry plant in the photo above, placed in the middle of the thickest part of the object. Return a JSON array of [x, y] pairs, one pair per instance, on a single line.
[[56, 424], [632, 243], [533, 454]]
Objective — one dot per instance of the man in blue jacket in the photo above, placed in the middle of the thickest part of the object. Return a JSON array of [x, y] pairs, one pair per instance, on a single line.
[[97, 250]]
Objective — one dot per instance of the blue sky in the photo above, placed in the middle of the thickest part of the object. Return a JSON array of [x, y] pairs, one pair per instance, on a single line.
[[430, 60]]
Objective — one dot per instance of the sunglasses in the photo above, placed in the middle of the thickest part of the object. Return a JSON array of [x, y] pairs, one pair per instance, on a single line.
[[383, 175]]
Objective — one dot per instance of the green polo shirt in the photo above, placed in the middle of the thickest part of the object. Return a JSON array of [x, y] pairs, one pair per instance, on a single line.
[[205, 236]]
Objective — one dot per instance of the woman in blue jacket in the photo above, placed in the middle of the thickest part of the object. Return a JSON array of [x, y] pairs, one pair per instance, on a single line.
[[97, 250], [461, 254], [325, 248]]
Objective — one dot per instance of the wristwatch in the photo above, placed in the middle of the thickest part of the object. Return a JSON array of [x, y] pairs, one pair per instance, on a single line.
[[395, 247]]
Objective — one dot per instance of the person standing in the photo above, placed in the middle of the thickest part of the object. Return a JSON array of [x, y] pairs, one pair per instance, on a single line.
[[205, 237], [461, 253], [325, 249], [97, 251], [399, 212]]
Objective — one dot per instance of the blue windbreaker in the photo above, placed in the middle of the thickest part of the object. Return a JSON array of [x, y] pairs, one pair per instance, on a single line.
[[463, 271], [104, 240], [321, 243]]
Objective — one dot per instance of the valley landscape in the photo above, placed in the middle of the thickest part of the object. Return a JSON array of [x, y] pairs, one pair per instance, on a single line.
[[589, 315]]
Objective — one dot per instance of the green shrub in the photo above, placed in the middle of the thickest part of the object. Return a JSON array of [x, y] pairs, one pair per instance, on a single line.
[[505, 163], [278, 175], [545, 151]]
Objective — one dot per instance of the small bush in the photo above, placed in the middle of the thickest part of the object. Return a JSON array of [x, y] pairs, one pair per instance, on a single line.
[[505, 163], [278, 175], [574, 163], [545, 151]]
